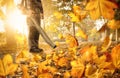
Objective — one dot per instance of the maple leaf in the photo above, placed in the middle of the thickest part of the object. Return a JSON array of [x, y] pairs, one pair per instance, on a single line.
[[113, 24], [74, 18], [63, 62], [115, 54], [102, 63], [71, 41], [89, 52], [82, 34], [98, 74], [37, 57], [99, 8], [7, 66], [78, 11], [77, 68], [90, 69], [25, 72]]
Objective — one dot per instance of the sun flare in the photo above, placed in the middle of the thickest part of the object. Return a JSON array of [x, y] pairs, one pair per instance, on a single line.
[[15, 19], [18, 21]]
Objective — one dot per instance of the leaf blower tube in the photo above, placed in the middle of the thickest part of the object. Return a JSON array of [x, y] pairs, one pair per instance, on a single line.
[[43, 33]]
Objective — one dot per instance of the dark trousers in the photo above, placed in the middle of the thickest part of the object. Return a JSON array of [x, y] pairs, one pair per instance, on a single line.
[[33, 32], [33, 23]]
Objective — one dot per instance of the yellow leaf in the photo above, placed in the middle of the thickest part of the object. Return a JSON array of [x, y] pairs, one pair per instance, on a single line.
[[90, 53], [102, 63], [67, 74], [77, 70], [2, 71], [100, 59], [76, 63], [97, 74], [37, 57], [71, 41], [99, 8], [25, 72], [7, 59], [74, 18], [116, 56], [63, 62], [7, 66], [12, 68], [90, 69], [80, 13], [82, 34], [24, 54], [76, 10]]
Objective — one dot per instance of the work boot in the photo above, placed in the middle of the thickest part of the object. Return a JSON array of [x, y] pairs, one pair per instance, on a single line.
[[35, 50]]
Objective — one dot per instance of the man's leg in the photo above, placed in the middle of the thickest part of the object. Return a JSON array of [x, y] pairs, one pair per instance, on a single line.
[[34, 39]]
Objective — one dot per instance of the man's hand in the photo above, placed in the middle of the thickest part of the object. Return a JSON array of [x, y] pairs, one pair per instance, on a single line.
[[42, 15]]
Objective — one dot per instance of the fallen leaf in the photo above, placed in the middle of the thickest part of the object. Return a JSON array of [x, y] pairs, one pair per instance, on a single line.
[[71, 41], [25, 72], [7, 66], [116, 56], [90, 69]]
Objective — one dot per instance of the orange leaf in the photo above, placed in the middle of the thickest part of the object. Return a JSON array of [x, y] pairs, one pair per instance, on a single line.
[[79, 12], [113, 24], [90, 69], [116, 56], [25, 72], [63, 62], [99, 8], [90, 53], [71, 41]]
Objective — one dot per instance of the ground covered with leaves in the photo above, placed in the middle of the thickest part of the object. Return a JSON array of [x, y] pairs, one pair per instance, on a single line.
[[69, 60]]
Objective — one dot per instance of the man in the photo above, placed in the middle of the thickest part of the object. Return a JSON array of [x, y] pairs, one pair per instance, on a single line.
[[34, 11]]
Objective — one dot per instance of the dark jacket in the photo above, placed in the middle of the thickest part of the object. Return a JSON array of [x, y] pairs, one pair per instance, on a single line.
[[35, 5]]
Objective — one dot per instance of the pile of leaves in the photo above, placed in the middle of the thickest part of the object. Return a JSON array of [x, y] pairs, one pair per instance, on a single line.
[[88, 61]]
